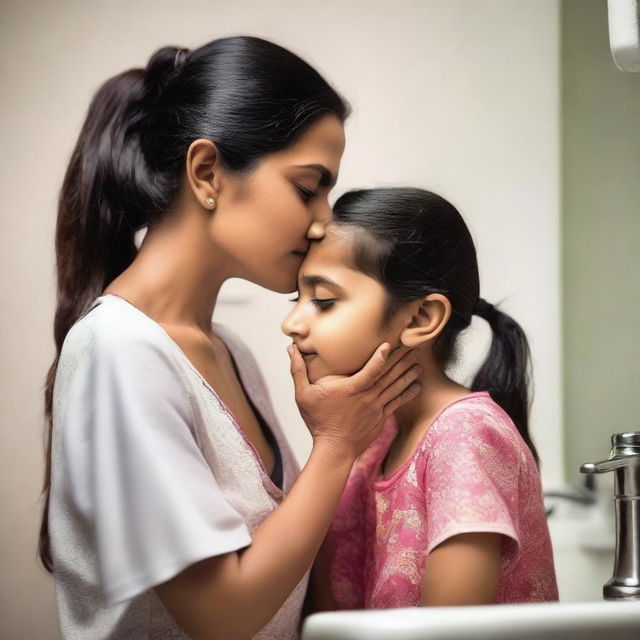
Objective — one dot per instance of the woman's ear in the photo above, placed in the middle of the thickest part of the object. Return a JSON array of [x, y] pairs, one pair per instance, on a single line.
[[430, 317], [203, 168]]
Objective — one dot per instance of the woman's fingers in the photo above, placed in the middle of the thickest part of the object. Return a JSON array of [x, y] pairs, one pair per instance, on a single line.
[[401, 383], [402, 362], [298, 369], [373, 369], [406, 396]]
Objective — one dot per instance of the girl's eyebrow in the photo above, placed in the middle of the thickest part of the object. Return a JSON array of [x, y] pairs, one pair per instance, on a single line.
[[326, 177], [312, 281]]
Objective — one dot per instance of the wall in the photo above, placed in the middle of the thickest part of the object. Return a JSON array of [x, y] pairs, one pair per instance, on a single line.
[[458, 96], [601, 236]]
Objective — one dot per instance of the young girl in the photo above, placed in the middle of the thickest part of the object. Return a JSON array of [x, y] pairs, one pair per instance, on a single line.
[[170, 486], [445, 507]]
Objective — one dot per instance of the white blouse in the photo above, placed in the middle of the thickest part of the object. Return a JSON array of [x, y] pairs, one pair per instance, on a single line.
[[150, 474]]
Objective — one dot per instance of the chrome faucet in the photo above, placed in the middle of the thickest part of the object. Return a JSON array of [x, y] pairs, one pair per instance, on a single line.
[[624, 459]]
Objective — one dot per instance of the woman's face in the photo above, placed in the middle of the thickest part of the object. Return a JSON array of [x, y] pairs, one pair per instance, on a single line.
[[265, 220], [337, 321]]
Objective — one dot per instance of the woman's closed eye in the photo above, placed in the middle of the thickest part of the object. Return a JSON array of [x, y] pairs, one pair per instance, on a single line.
[[305, 193]]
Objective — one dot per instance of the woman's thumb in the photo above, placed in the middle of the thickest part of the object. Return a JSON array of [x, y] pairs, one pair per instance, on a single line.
[[298, 368]]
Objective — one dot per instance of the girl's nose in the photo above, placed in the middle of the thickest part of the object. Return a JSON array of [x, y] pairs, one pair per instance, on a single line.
[[294, 326]]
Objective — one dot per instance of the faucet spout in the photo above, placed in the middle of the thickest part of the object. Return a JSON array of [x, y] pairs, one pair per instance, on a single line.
[[625, 462]]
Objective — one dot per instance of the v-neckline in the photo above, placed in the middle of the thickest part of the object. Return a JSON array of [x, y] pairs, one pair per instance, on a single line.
[[266, 478]]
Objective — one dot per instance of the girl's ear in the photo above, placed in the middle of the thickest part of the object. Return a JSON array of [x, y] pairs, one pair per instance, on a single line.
[[430, 316], [203, 168]]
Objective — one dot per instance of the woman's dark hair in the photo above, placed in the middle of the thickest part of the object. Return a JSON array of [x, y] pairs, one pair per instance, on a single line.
[[249, 96], [415, 243]]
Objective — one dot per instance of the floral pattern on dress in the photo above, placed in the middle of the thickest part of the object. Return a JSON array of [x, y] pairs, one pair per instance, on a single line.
[[471, 472]]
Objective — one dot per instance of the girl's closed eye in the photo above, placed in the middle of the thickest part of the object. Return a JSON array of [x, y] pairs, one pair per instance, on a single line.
[[321, 303], [324, 303]]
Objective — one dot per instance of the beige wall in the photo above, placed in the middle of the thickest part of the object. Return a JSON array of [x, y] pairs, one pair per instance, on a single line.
[[601, 237], [457, 95]]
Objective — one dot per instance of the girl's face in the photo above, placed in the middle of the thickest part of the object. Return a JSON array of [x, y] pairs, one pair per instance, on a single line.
[[265, 220], [337, 321]]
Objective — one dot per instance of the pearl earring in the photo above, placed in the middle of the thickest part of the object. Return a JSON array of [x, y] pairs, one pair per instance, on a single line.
[[211, 203]]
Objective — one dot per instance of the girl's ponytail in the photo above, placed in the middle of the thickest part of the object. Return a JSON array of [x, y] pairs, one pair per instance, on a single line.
[[425, 247], [505, 372], [107, 195]]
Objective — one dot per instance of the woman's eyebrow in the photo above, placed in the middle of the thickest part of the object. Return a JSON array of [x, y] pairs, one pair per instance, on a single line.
[[312, 281], [326, 177]]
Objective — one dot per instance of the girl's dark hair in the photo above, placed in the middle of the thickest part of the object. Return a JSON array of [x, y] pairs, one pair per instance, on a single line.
[[415, 243], [249, 96]]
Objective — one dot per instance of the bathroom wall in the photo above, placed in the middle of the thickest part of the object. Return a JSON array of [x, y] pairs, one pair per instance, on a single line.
[[461, 96], [600, 237]]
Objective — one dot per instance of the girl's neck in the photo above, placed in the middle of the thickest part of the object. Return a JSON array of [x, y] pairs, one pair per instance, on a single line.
[[415, 418], [437, 392]]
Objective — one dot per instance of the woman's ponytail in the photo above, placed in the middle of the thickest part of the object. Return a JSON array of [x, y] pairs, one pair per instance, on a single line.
[[247, 95], [505, 372], [107, 194]]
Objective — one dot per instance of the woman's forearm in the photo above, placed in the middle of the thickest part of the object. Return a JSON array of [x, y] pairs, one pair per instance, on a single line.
[[235, 595], [286, 544]]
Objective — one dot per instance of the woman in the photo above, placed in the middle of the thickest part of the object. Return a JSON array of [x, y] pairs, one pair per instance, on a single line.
[[166, 513]]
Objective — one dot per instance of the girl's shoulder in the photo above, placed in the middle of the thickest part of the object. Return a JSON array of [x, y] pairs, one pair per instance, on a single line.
[[475, 413], [474, 425]]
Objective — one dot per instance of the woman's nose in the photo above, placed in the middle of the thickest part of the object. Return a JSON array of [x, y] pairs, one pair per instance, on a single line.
[[321, 216], [317, 229]]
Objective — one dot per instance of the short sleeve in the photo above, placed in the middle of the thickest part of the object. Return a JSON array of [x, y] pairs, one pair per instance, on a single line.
[[471, 477], [135, 471]]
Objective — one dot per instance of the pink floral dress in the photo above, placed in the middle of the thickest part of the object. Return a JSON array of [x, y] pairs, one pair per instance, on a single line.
[[471, 472]]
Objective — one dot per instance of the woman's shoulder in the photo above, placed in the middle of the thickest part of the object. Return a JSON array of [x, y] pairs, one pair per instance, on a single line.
[[115, 350], [111, 321], [113, 331]]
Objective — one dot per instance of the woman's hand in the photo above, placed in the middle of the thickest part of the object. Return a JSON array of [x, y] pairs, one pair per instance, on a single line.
[[235, 594], [348, 412]]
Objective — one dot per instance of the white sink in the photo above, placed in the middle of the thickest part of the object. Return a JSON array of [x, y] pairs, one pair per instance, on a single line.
[[546, 621]]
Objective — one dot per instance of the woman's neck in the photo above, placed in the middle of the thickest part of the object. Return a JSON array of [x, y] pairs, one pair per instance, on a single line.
[[176, 276]]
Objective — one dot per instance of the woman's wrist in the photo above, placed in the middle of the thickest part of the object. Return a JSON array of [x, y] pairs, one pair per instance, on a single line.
[[333, 452]]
